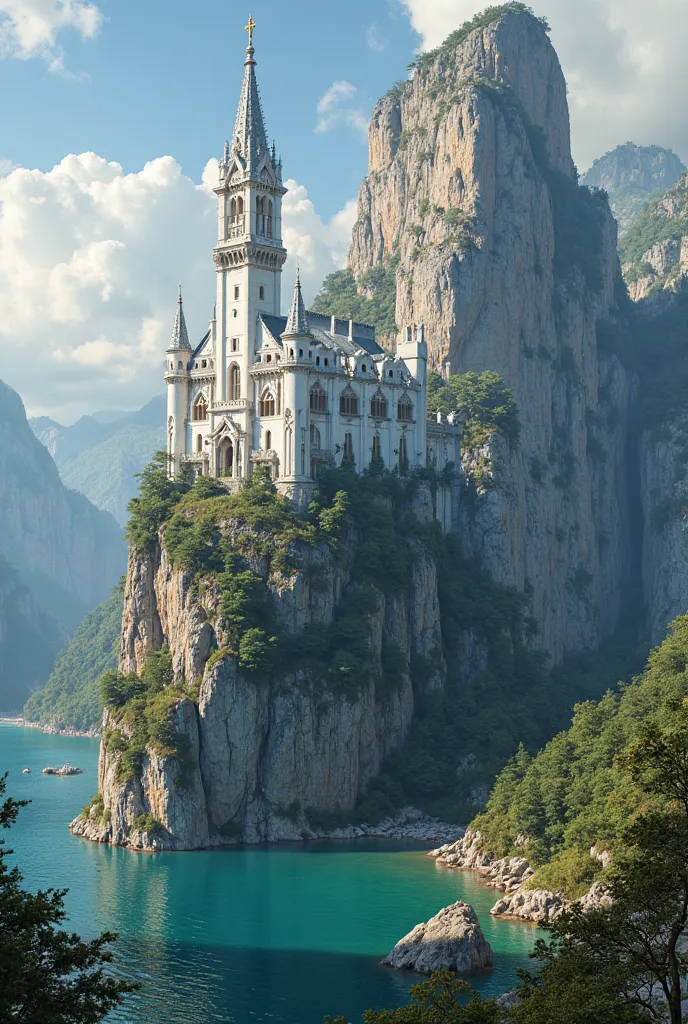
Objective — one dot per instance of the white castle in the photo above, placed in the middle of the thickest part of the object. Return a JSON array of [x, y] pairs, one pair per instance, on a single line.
[[295, 393]]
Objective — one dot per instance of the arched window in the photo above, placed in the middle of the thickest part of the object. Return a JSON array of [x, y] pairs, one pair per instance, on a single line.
[[240, 206], [261, 292], [318, 398], [234, 383], [200, 408], [403, 456], [268, 440], [348, 402], [179, 365], [377, 448], [378, 406], [199, 443], [233, 210], [266, 405], [348, 455], [315, 436], [405, 409], [235, 313]]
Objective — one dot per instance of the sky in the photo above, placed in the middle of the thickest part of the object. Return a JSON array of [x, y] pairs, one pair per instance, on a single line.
[[114, 112]]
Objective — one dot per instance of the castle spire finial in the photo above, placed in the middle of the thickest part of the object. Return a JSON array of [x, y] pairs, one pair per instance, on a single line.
[[250, 136], [297, 321], [180, 335], [249, 28]]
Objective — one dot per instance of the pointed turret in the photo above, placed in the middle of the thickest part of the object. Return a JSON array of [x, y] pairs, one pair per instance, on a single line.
[[250, 138], [180, 335], [297, 321]]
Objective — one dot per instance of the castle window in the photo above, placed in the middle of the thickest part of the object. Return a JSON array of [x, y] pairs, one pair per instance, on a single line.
[[235, 313], [261, 292], [232, 210], [236, 291], [300, 353], [363, 368], [348, 402], [315, 436], [200, 408], [234, 383], [378, 406], [391, 373], [268, 440], [268, 358], [240, 206], [405, 410], [348, 455], [377, 448], [327, 362], [179, 365], [403, 456], [266, 405], [235, 345], [204, 363], [317, 360], [199, 443]]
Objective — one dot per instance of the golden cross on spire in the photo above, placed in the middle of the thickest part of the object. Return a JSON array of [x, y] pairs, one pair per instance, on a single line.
[[249, 28]]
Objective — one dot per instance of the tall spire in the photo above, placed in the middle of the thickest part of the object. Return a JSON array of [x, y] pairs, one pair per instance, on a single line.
[[180, 335], [297, 321], [249, 130]]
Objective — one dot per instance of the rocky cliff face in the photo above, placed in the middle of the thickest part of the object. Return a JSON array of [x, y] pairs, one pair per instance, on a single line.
[[259, 754], [471, 188], [654, 253], [69, 553], [631, 175]]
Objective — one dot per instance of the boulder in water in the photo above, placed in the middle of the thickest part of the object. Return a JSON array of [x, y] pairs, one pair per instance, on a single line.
[[452, 939]]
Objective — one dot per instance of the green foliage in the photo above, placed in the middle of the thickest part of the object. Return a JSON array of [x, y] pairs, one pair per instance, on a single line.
[[158, 495], [655, 224], [574, 794], [148, 823], [371, 299], [48, 975], [442, 999], [483, 398], [71, 697], [482, 20]]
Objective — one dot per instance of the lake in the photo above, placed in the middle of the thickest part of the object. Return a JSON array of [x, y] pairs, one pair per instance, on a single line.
[[281, 933]]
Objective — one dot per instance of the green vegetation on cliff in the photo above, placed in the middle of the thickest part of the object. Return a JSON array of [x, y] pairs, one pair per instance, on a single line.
[[371, 300], [70, 698], [575, 794], [660, 221], [482, 399]]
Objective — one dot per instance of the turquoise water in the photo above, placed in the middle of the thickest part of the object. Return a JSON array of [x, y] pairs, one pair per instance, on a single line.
[[283, 933]]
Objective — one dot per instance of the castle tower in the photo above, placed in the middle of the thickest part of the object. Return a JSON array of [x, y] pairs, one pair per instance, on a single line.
[[249, 255], [176, 377], [297, 340]]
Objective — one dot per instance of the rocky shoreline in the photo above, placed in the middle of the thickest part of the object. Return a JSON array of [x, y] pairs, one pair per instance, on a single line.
[[52, 730], [511, 875]]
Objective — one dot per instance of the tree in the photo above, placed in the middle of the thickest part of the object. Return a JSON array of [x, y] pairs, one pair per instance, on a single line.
[[440, 1000], [48, 976], [625, 962]]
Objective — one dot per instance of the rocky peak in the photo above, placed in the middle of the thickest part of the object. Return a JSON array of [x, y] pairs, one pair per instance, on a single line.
[[631, 175]]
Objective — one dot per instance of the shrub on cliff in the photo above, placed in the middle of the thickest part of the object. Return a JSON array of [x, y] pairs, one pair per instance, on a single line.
[[482, 398], [371, 300], [48, 975]]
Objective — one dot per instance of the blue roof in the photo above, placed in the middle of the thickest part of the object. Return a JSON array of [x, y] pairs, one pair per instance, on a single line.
[[364, 334]]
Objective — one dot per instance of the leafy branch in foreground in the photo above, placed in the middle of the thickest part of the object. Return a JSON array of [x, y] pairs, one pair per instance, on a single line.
[[47, 975]]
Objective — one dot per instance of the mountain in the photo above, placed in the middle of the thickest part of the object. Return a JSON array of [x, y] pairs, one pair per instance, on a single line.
[[631, 175], [472, 203], [100, 455], [70, 699], [66, 553], [654, 252]]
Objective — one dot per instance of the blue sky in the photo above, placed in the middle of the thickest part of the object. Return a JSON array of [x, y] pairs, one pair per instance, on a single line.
[[164, 77], [112, 110]]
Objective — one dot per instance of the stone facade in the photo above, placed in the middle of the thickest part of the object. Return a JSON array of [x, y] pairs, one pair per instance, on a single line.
[[292, 393]]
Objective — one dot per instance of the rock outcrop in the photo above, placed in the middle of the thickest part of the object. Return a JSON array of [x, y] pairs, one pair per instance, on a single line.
[[536, 905], [260, 757], [504, 873], [469, 189], [630, 175], [451, 940], [654, 255]]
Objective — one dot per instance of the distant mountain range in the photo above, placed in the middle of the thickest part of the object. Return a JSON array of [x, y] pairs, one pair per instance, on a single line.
[[631, 175], [101, 454]]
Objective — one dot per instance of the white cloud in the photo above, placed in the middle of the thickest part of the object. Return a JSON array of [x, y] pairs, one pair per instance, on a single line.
[[375, 41], [340, 105], [624, 61], [30, 28], [90, 259]]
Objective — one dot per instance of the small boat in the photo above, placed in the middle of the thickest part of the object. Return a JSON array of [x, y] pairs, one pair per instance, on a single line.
[[26, 771], [50, 771]]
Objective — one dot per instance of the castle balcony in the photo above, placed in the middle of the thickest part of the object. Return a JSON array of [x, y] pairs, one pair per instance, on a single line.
[[233, 405], [236, 228]]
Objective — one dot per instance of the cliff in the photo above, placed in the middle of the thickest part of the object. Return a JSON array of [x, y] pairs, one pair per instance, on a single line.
[[68, 552], [255, 745], [654, 252], [29, 641], [632, 175], [472, 197]]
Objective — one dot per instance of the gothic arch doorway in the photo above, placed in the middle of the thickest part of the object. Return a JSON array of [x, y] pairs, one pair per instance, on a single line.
[[226, 457]]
